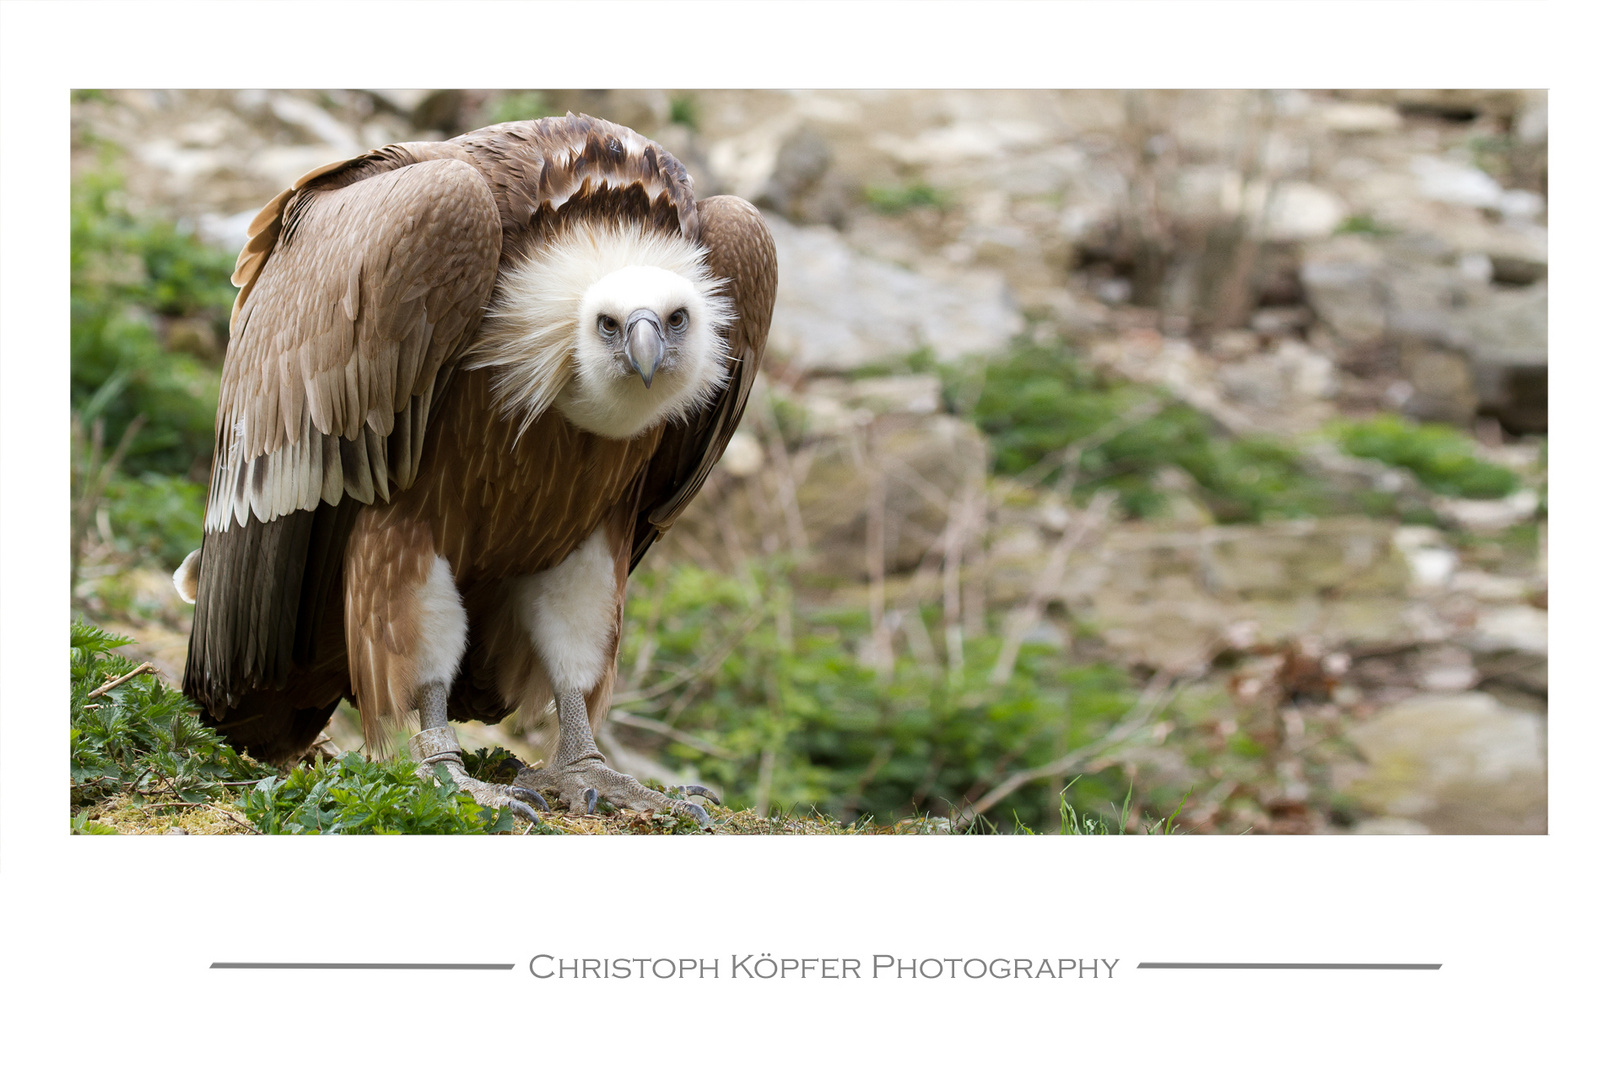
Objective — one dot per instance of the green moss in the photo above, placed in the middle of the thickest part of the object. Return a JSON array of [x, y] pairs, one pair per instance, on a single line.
[[1051, 418], [1442, 458], [683, 110], [1363, 224], [899, 199]]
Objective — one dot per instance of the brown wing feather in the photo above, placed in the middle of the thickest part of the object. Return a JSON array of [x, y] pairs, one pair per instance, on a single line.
[[369, 287], [360, 285], [741, 251]]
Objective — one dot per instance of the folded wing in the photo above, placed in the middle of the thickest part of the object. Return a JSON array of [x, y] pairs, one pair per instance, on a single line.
[[361, 285]]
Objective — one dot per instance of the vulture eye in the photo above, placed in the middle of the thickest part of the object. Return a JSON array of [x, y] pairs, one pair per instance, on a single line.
[[677, 320], [607, 325]]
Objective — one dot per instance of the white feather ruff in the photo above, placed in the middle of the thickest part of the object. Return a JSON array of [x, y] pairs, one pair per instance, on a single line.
[[543, 349]]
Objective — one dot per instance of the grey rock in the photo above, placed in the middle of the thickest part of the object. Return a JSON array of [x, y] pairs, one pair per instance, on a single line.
[[1300, 211], [316, 123], [1346, 556], [1489, 515], [918, 394], [1515, 628], [801, 161], [1457, 763], [838, 309], [1344, 287], [1509, 329], [1391, 826], [1442, 384], [1456, 183]]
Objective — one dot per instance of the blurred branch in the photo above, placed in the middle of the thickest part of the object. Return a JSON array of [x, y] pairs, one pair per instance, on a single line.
[[619, 716], [876, 511], [97, 475], [703, 670], [787, 487], [1081, 526]]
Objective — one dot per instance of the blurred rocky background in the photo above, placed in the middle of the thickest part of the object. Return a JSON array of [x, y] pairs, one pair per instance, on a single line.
[[1134, 455]]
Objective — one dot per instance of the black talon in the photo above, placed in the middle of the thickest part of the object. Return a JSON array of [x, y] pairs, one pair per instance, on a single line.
[[700, 790], [533, 797], [519, 810], [696, 811], [590, 800]]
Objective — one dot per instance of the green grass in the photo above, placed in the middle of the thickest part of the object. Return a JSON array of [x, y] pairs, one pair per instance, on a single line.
[[901, 198], [779, 687], [142, 745], [1442, 458]]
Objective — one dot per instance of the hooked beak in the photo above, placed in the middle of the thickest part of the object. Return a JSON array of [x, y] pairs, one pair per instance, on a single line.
[[644, 342]]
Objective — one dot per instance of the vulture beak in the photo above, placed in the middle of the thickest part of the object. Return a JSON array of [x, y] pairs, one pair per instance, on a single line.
[[644, 341]]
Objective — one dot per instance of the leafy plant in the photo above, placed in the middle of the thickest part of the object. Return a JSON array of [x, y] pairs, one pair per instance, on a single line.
[[143, 409], [1442, 458], [353, 795], [141, 738], [158, 517], [128, 276]]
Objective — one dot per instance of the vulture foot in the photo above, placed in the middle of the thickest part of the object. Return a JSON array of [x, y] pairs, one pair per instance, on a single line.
[[437, 746], [583, 777], [582, 783]]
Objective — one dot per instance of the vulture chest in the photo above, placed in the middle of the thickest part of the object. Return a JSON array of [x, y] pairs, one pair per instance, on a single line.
[[503, 504]]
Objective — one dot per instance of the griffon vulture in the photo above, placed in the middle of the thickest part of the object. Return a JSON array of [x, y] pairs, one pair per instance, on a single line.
[[468, 384]]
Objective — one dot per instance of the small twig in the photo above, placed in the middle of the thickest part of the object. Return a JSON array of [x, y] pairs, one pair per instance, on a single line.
[[619, 716], [1080, 526], [709, 665], [876, 511], [787, 486], [122, 679], [210, 806]]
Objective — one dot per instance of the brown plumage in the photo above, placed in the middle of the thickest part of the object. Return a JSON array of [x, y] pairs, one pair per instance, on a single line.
[[377, 417]]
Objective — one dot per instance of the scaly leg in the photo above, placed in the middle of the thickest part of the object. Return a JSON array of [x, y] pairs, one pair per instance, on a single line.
[[579, 773], [436, 744]]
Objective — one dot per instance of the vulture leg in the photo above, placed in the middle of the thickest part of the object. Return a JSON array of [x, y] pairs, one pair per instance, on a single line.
[[436, 745], [573, 616], [580, 774], [406, 630]]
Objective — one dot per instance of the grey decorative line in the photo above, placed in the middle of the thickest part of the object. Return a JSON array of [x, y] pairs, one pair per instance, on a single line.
[[364, 967], [1295, 967]]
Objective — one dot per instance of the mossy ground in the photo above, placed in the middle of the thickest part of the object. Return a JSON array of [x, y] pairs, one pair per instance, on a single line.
[[219, 818]]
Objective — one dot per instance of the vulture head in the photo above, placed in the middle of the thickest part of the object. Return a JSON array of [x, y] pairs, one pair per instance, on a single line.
[[620, 329]]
